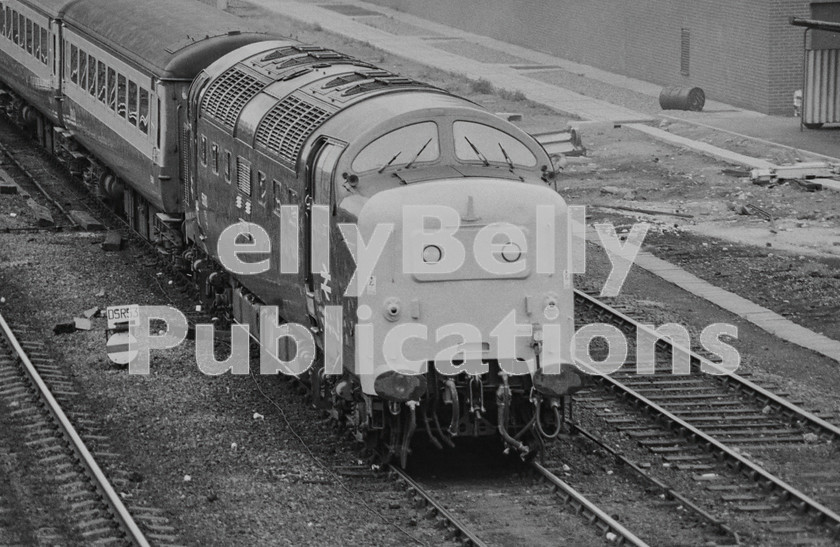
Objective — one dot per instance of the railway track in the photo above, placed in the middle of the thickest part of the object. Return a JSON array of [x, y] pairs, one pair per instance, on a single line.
[[481, 493], [716, 427], [50, 199], [81, 491]]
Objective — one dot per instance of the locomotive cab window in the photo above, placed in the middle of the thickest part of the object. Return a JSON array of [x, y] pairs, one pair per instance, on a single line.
[[476, 142], [407, 145]]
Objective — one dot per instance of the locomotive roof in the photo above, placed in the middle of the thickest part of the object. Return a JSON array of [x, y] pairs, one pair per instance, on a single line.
[[171, 40]]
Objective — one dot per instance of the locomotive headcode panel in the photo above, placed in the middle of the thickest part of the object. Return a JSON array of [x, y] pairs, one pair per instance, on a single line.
[[409, 231]]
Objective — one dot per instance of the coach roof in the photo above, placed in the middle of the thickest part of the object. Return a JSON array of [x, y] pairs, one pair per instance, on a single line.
[[169, 39], [51, 8]]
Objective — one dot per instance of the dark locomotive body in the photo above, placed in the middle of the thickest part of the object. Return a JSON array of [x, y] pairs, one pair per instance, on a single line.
[[191, 123]]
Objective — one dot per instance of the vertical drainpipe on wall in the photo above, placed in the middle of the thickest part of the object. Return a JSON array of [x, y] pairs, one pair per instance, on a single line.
[[804, 79]]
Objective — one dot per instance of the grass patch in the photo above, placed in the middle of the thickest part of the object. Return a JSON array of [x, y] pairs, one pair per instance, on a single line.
[[482, 86]]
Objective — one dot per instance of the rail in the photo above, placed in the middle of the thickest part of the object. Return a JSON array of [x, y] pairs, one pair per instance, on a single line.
[[468, 537], [121, 514], [799, 500]]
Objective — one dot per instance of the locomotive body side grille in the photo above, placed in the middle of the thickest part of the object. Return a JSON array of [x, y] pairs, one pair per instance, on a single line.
[[229, 94], [285, 128], [243, 176]]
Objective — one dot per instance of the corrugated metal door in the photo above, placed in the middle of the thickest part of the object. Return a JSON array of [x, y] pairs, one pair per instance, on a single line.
[[821, 96]]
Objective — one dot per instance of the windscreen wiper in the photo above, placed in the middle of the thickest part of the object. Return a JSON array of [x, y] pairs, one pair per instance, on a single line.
[[389, 161], [417, 155], [507, 158], [477, 153]]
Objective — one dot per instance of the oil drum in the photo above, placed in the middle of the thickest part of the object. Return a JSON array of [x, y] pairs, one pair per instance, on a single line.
[[682, 98]]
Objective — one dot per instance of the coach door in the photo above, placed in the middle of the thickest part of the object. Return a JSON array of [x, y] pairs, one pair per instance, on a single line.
[[319, 198]]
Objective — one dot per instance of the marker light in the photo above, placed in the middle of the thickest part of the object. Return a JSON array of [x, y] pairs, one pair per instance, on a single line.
[[511, 252], [432, 254]]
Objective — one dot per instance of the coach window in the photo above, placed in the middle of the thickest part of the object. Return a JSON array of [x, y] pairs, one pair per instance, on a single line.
[[102, 82], [262, 187], [3, 29], [15, 27], [227, 166], [143, 121], [36, 40], [83, 70], [28, 36], [112, 89], [132, 102], [92, 75], [74, 64], [203, 152], [45, 46], [121, 98]]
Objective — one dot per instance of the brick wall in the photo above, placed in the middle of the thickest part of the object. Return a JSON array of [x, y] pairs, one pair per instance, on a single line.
[[742, 52]]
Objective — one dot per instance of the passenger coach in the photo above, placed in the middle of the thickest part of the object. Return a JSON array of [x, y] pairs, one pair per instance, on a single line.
[[114, 77]]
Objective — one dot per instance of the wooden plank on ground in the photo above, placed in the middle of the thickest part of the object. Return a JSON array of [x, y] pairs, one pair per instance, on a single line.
[[86, 221], [42, 214]]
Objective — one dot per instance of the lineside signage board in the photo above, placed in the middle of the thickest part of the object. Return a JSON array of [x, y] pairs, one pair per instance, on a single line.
[[118, 348], [122, 316]]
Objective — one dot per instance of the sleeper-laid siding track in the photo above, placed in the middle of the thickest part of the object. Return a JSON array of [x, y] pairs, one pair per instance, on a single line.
[[93, 502], [685, 411], [457, 527]]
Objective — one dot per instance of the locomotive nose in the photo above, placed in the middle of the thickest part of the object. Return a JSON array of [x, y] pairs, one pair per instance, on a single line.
[[474, 270]]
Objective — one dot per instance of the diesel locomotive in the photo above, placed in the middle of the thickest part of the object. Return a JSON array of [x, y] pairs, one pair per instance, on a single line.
[[191, 122]]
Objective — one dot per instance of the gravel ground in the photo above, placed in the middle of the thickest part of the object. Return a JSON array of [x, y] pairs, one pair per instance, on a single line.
[[213, 452]]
